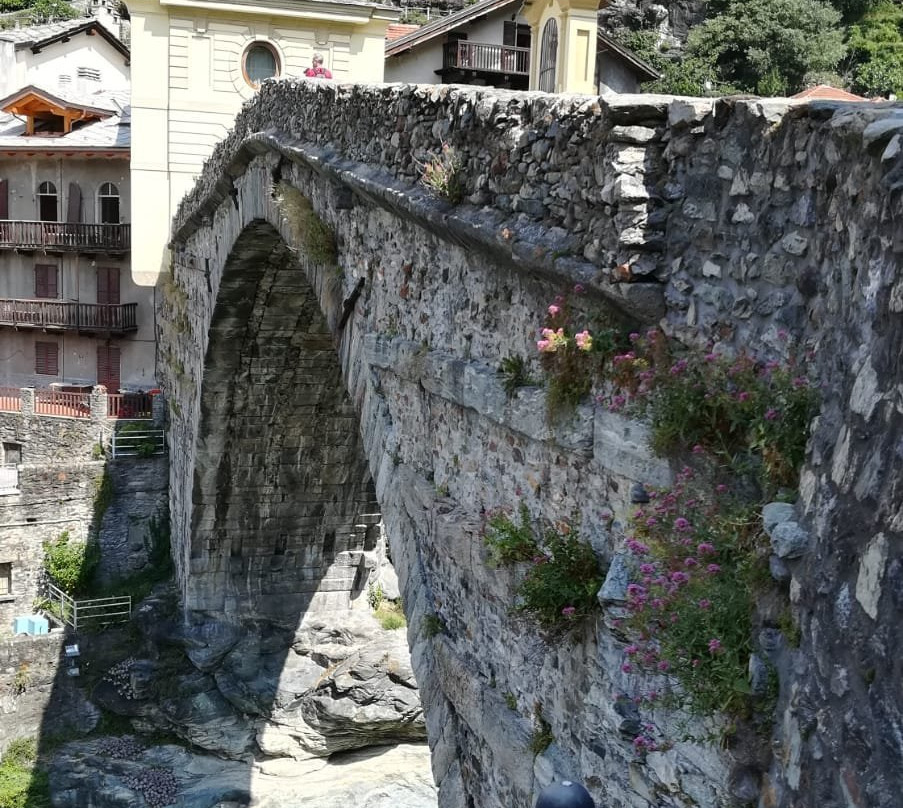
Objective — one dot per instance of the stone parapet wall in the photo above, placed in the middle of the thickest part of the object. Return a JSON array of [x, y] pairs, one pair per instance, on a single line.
[[725, 223]]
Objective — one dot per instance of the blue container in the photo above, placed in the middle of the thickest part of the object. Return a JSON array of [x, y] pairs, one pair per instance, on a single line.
[[31, 624]]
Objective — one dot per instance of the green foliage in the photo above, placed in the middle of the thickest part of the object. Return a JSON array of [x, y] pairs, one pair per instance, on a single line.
[[508, 541], [876, 50], [743, 411], [432, 625], [442, 173], [768, 44], [103, 497], [23, 784], [70, 564], [390, 615], [510, 700], [43, 11], [542, 737], [308, 229], [691, 76], [21, 680], [561, 585], [515, 374], [375, 596]]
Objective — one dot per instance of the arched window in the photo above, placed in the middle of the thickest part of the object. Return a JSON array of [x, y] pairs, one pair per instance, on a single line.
[[108, 203], [260, 62], [548, 56], [48, 203]]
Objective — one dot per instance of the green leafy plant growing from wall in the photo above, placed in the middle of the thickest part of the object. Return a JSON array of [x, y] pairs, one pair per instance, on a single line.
[[70, 564], [441, 172], [541, 738], [699, 555], [510, 541], [431, 625], [308, 230], [564, 575], [515, 374], [745, 412]]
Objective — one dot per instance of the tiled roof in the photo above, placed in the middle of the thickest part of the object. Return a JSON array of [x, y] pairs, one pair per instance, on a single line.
[[823, 92], [397, 30], [32, 34]]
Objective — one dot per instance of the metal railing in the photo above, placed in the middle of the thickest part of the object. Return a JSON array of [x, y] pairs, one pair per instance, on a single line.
[[130, 405], [67, 316], [26, 235], [9, 479], [10, 399], [82, 613], [140, 440], [55, 402], [483, 57]]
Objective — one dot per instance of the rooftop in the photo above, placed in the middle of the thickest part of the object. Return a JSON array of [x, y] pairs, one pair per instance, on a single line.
[[113, 132], [38, 37]]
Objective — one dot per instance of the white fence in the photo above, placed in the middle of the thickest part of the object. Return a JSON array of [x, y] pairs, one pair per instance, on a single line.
[[138, 439], [82, 613]]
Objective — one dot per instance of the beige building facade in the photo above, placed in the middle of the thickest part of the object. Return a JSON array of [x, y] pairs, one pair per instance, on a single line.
[[196, 62], [70, 313]]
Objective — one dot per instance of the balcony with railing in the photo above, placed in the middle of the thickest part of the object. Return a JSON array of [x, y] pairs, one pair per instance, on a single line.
[[60, 315], [65, 236], [482, 57]]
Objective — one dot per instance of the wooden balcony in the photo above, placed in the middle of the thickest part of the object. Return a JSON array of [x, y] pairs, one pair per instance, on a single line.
[[58, 315], [483, 58], [65, 236]]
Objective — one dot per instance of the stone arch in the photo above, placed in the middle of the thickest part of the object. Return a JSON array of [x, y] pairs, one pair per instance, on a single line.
[[283, 503]]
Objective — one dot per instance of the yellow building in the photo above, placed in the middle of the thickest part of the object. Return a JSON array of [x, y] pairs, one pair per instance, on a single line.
[[194, 62], [564, 34]]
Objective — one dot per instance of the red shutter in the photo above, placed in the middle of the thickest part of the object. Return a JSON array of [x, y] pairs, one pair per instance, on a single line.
[[108, 367], [108, 285], [4, 199], [74, 211], [46, 358], [45, 281]]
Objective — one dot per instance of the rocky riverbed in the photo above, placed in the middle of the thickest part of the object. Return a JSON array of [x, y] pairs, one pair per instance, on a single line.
[[123, 773]]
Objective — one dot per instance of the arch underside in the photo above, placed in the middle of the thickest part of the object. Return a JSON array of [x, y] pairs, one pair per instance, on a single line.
[[283, 503]]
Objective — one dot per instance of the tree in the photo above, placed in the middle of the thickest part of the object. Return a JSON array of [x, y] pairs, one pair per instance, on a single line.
[[769, 45], [51, 10], [876, 50]]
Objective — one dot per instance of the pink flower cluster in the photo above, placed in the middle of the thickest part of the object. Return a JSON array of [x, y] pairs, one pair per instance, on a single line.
[[676, 557]]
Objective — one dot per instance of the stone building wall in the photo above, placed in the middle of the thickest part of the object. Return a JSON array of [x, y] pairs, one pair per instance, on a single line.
[[59, 481], [725, 223]]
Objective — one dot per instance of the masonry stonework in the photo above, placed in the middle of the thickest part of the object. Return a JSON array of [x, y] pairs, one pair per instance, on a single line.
[[724, 222]]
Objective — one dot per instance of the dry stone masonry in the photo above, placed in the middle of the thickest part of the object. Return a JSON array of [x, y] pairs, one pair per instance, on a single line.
[[309, 390]]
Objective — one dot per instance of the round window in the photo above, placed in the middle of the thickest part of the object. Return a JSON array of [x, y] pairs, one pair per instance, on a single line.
[[260, 62]]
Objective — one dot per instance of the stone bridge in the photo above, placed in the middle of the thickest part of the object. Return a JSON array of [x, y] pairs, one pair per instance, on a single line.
[[330, 339]]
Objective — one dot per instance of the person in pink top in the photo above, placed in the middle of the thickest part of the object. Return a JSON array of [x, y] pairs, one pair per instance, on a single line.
[[316, 70]]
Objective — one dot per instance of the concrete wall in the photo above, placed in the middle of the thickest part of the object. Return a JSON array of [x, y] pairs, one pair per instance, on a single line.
[[188, 84], [725, 223]]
